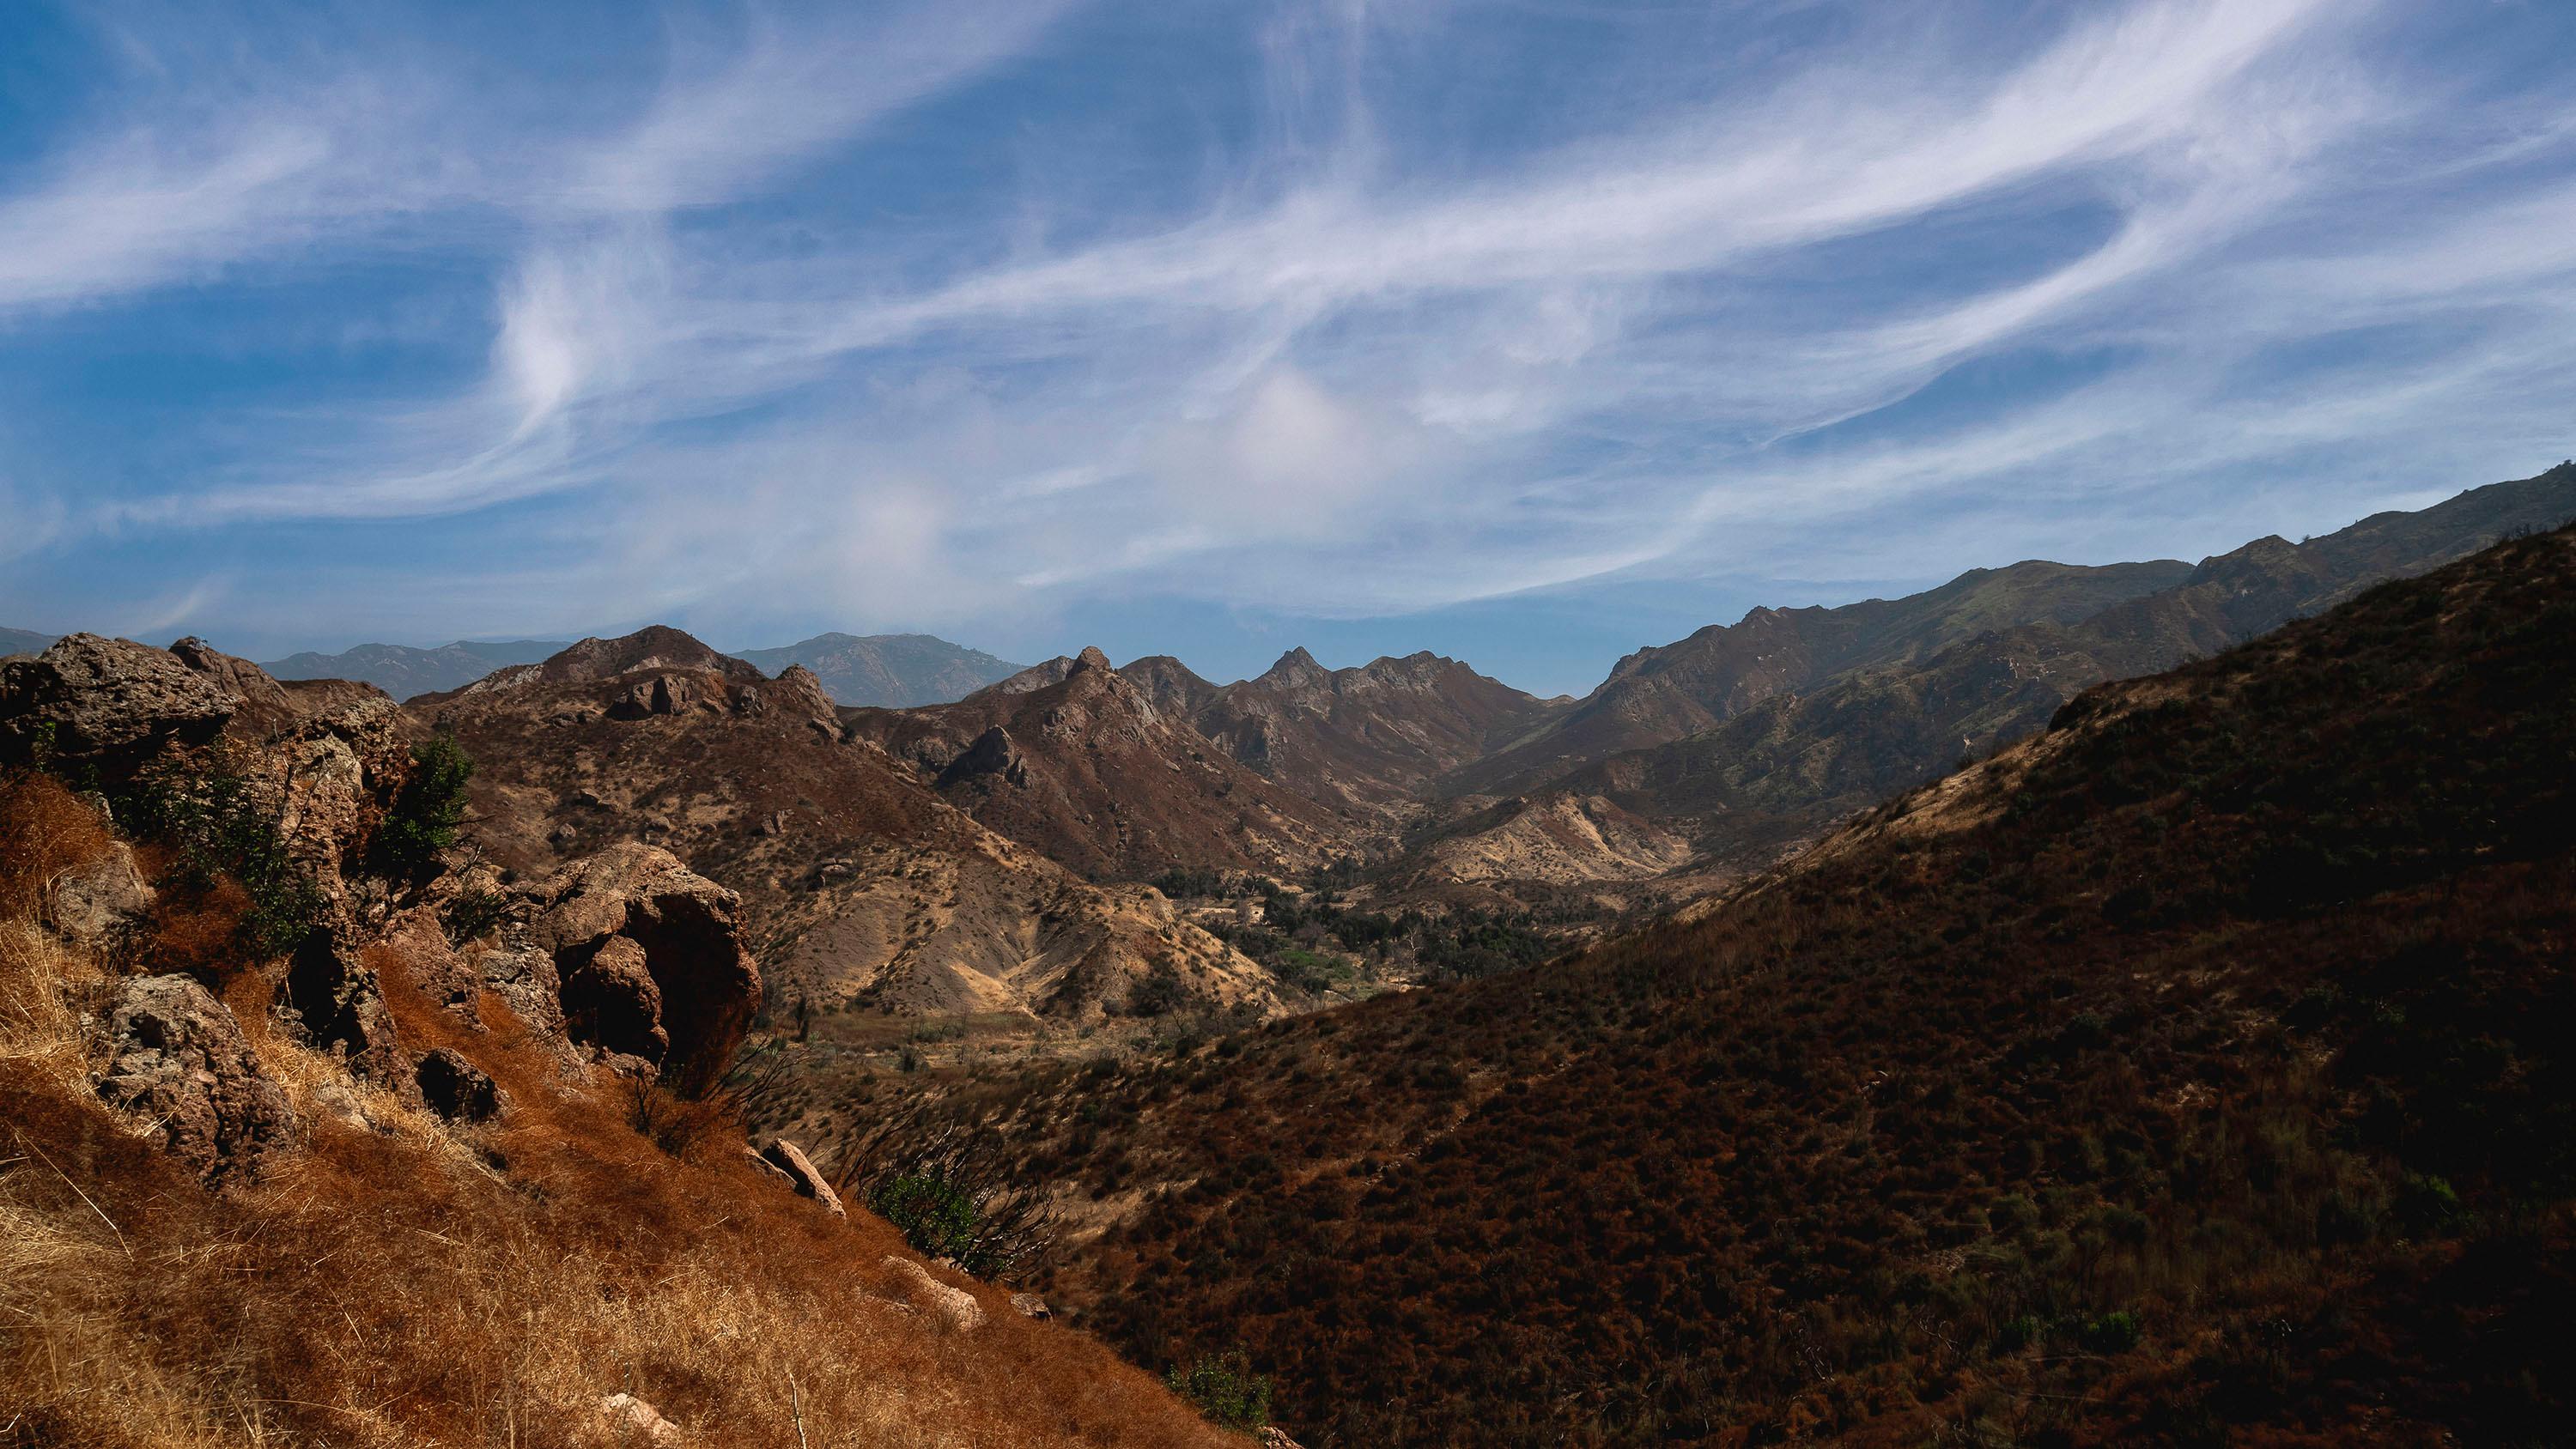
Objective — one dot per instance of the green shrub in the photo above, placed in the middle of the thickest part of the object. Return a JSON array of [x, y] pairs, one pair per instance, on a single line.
[[2428, 1205], [1226, 1390], [220, 825], [427, 810], [2110, 1333], [953, 1198]]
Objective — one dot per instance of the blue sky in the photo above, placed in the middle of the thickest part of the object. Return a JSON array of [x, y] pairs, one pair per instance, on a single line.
[[1526, 332]]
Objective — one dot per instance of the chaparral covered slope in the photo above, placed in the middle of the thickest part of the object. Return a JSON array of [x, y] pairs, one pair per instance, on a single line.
[[2194, 1071]]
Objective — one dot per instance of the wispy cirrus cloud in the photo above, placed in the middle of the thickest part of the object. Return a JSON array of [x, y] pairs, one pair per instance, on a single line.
[[960, 314]]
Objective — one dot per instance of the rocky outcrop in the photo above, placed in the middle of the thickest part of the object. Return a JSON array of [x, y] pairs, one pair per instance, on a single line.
[[177, 1058], [991, 754], [110, 704], [458, 1090], [264, 706], [528, 985], [797, 694], [663, 694], [333, 1001], [791, 1163], [651, 961], [335, 773]]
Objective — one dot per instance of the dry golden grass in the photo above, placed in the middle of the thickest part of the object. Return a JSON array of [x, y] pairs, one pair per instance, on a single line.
[[402, 1283]]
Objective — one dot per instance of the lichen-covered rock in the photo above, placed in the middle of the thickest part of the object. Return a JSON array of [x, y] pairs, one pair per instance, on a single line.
[[458, 1090], [111, 704], [177, 1058], [95, 905], [680, 936]]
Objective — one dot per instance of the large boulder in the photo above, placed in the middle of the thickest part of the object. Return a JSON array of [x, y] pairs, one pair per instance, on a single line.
[[111, 704], [632, 931], [264, 708], [527, 983], [336, 772], [178, 1058], [612, 1003]]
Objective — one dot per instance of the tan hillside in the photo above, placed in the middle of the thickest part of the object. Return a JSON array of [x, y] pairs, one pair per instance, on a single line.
[[1087, 769], [858, 882]]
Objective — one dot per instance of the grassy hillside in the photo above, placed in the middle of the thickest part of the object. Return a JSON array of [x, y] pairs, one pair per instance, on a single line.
[[2193, 1073]]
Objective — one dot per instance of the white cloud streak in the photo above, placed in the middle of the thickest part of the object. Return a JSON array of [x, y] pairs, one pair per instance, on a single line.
[[1359, 378]]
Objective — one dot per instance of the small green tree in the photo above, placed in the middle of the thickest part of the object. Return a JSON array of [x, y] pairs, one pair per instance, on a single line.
[[427, 810], [1226, 1390]]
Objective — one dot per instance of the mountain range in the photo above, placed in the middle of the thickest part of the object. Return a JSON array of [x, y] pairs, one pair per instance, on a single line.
[[23, 641], [880, 669], [894, 671], [2194, 1070]]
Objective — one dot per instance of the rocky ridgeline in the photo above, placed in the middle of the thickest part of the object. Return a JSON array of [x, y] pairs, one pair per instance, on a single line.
[[624, 961]]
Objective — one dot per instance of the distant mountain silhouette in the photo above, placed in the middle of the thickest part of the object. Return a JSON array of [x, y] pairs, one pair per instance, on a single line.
[[24, 641], [404, 672], [891, 671]]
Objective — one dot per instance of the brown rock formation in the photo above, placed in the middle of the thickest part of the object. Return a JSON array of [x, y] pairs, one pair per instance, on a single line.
[[854, 875], [107, 703], [334, 1002], [651, 960], [177, 1058]]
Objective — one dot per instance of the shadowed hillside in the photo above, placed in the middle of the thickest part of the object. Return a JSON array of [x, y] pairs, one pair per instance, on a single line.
[[2194, 1072], [1805, 716]]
